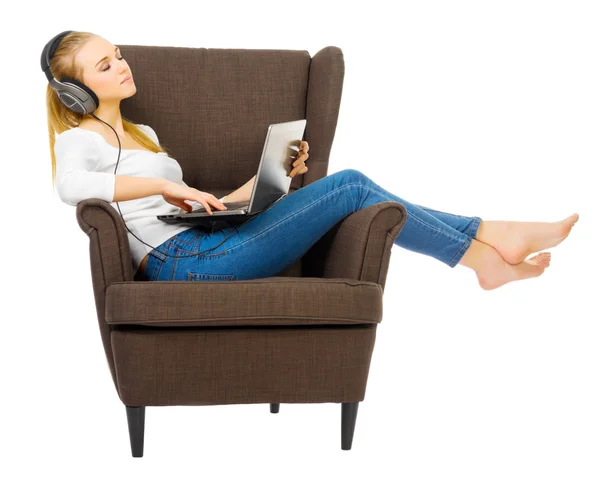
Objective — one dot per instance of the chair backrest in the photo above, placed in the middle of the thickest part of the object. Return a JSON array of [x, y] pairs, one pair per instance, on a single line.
[[211, 109]]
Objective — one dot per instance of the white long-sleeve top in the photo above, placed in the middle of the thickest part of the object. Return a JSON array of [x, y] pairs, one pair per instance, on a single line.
[[85, 165]]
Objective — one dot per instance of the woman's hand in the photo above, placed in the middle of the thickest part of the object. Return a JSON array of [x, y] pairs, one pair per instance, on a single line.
[[299, 167], [175, 194]]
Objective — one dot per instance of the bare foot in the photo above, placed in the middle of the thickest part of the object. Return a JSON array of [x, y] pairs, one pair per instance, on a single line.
[[493, 271], [514, 241], [498, 275]]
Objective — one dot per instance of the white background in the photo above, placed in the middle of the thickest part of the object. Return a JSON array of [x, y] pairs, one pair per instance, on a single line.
[[471, 107]]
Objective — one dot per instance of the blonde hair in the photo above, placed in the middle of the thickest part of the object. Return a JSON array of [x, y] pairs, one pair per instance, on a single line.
[[60, 117]]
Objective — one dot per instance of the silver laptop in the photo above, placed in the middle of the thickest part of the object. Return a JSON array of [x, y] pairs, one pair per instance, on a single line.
[[272, 183]]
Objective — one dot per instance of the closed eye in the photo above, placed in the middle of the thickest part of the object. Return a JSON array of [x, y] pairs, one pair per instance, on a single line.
[[108, 68]]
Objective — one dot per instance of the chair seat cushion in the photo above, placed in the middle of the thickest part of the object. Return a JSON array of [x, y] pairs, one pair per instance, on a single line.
[[263, 301]]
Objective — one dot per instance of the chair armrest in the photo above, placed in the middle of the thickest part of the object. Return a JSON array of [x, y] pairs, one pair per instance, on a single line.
[[358, 247], [110, 256]]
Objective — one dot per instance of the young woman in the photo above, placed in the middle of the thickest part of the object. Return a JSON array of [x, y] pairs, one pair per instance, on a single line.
[[150, 183]]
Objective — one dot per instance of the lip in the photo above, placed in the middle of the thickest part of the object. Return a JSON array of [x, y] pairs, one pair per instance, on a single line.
[[128, 77]]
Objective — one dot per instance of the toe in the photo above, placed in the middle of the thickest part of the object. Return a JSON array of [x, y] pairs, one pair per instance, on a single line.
[[572, 219]]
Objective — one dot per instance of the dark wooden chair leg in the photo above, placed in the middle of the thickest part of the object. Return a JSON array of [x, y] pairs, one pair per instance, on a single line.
[[274, 408], [135, 420], [349, 412]]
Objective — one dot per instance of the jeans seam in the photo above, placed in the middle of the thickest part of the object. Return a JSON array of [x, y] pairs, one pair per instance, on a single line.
[[427, 209], [157, 271], [158, 254], [439, 230], [179, 241], [475, 222], [173, 268], [462, 250]]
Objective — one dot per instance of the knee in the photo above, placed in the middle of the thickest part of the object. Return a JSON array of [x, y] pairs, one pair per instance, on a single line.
[[351, 175]]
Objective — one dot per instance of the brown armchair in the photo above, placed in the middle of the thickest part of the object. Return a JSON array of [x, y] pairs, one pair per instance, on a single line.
[[165, 344]]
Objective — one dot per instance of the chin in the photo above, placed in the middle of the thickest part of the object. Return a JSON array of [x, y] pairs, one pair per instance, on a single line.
[[133, 92]]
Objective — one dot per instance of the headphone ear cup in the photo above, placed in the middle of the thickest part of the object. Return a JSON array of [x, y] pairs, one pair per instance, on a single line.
[[76, 96]]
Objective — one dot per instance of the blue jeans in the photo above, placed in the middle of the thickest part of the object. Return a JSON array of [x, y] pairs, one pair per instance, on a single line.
[[278, 236]]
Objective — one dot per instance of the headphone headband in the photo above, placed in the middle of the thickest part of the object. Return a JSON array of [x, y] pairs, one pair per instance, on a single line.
[[48, 53]]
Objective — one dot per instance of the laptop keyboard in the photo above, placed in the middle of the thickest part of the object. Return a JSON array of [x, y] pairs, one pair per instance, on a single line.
[[229, 205]]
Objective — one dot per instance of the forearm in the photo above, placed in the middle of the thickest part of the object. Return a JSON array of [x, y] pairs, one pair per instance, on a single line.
[[243, 193], [130, 188]]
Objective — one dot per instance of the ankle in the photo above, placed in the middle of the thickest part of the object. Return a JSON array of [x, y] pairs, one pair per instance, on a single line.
[[490, 231], [480, 256]]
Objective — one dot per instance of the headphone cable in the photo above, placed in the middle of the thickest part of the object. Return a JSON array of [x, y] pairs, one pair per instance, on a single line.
[[154, 248]]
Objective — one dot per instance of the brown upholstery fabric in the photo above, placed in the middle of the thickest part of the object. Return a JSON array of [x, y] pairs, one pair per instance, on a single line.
[[305, 335], [262, 301], [218, 366]]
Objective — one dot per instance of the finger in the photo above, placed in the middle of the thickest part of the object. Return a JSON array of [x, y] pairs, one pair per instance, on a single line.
[[295, 170], [205, 205], [304, 145], [299, 171], [219, 204], [300, 159], [185, 206]]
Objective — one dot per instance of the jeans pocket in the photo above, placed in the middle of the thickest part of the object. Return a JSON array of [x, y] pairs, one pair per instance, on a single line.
[[209, 277]]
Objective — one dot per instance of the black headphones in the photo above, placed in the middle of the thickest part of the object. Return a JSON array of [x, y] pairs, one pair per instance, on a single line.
[[81, 99], [75, 95]]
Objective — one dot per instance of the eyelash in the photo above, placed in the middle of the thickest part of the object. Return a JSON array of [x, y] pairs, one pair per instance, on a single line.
[[108, 68]]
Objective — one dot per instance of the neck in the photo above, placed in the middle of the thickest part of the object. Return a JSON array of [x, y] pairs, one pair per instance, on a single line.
[[111, 114]]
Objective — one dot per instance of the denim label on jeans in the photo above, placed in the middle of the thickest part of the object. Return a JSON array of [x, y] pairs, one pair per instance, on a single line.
[[209, 277]]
